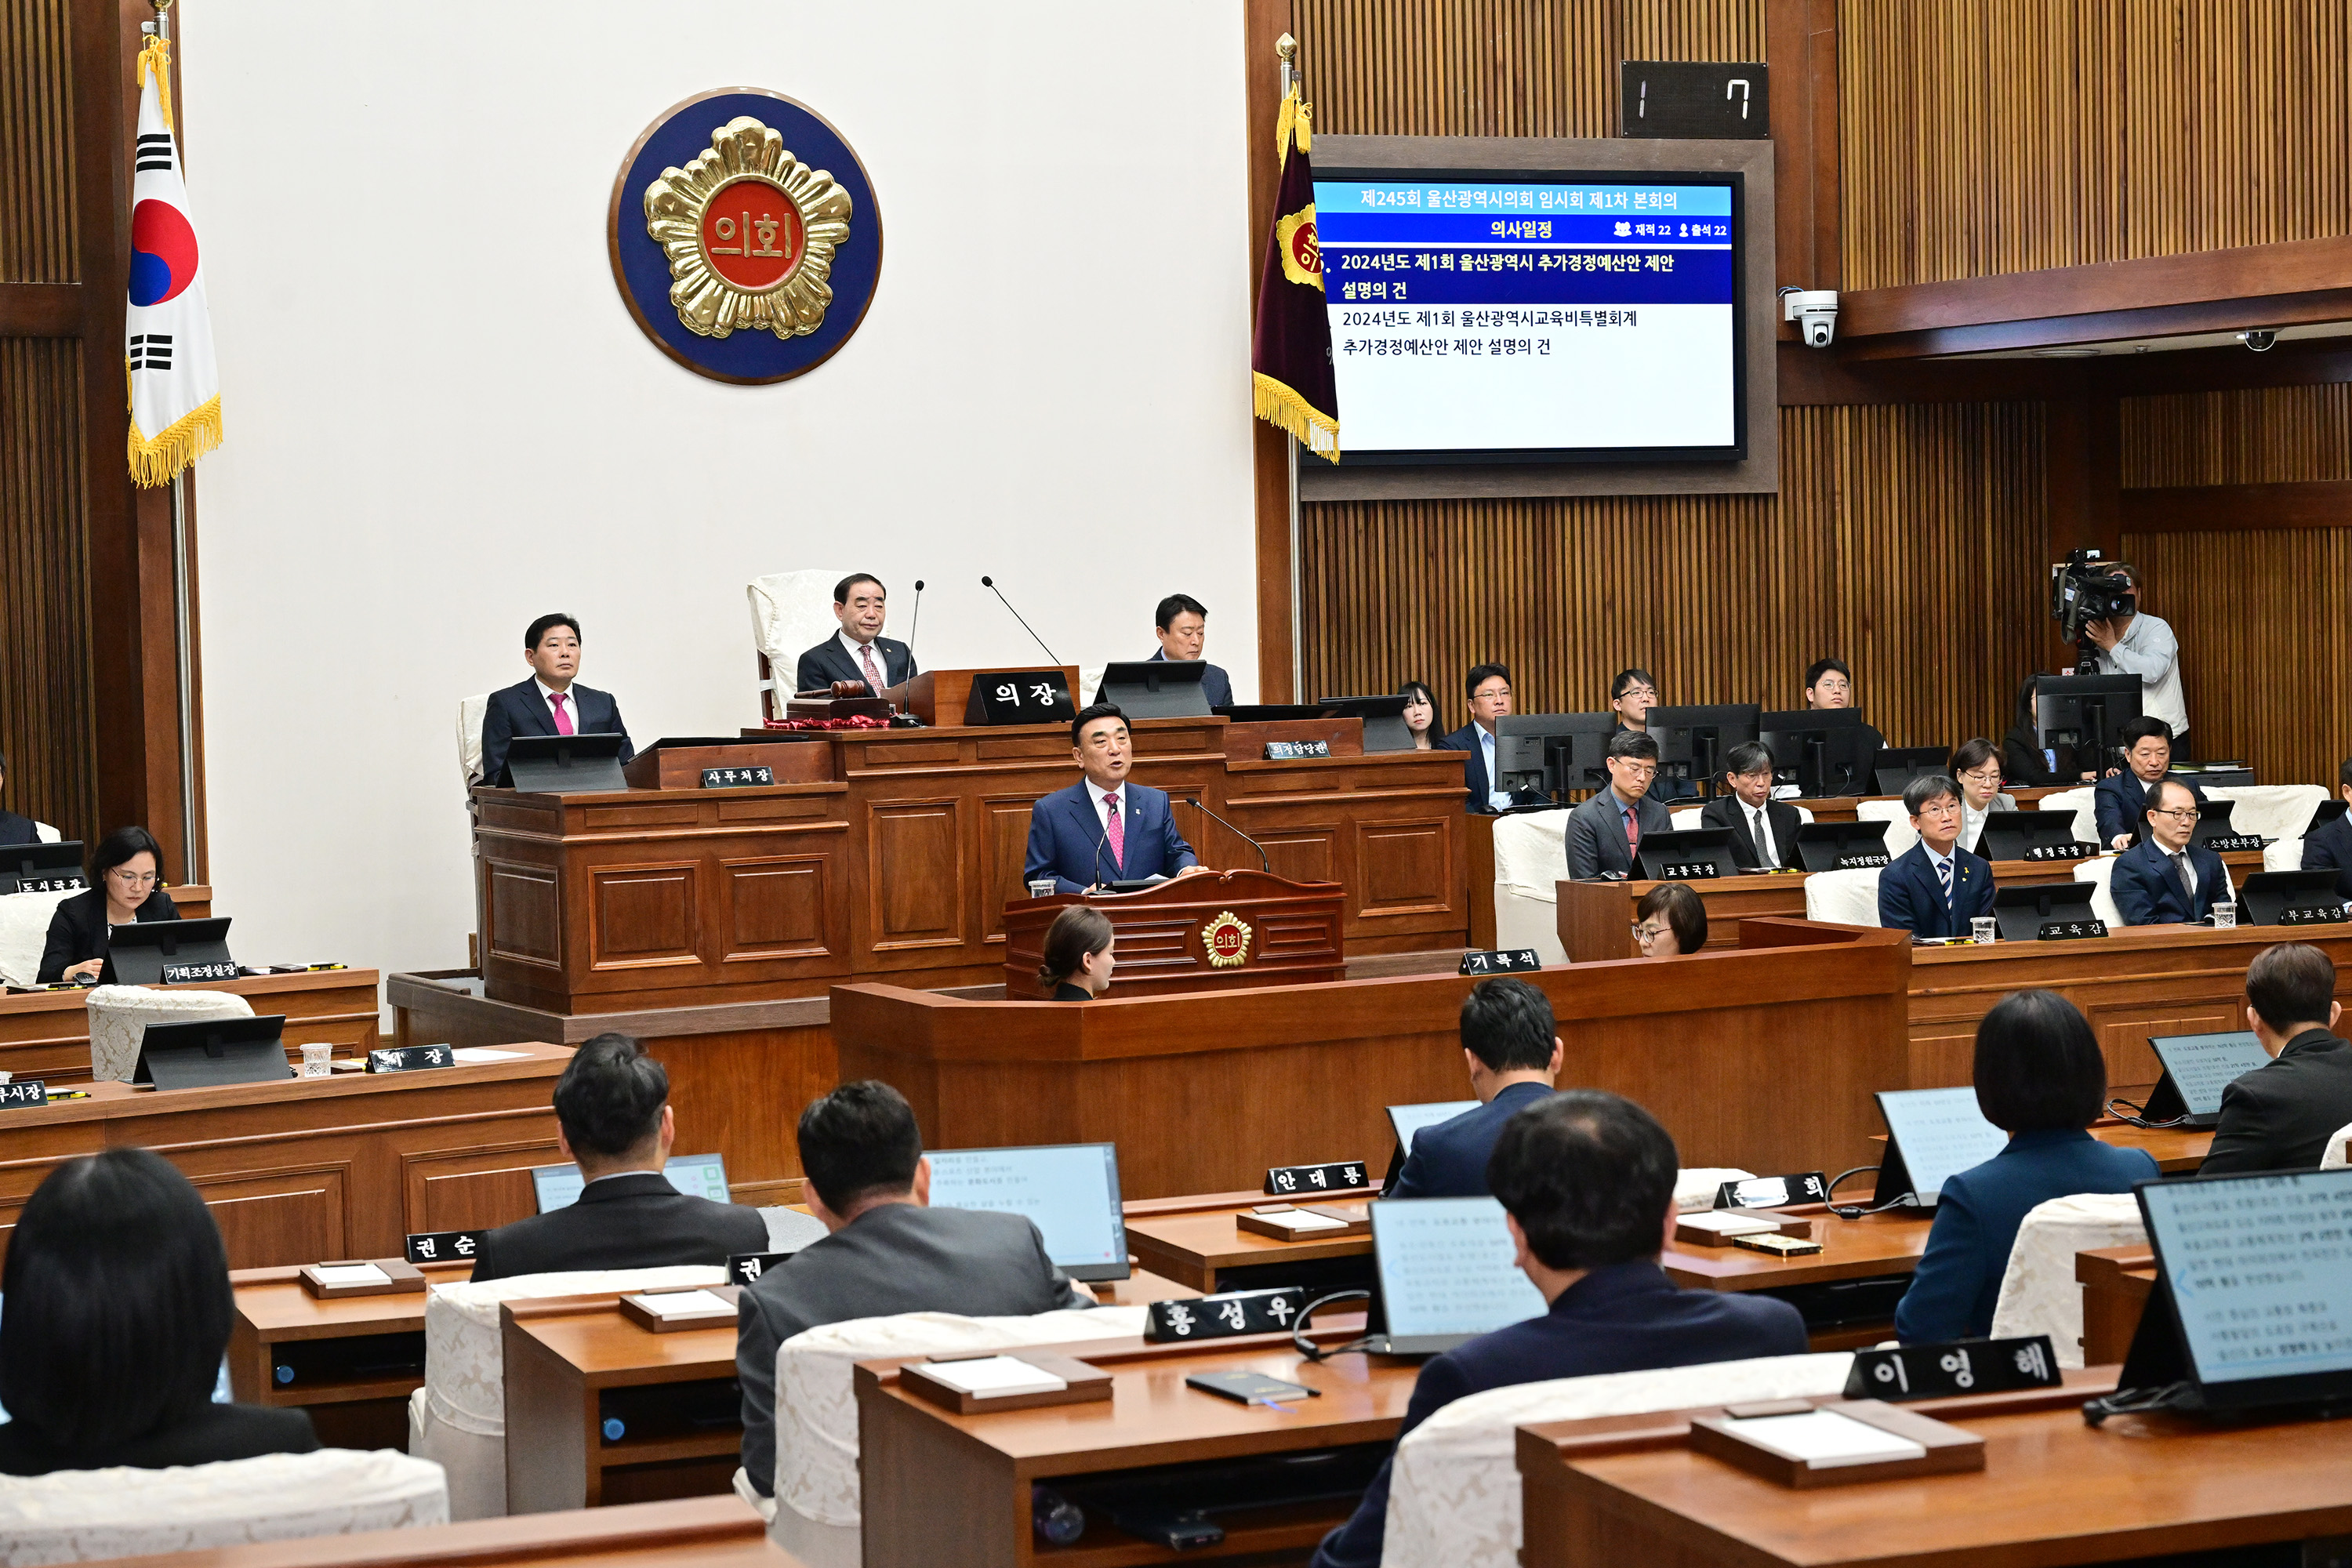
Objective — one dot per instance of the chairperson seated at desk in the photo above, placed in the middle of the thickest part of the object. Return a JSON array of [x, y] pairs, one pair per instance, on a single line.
[[1077, 958], [125, 888], [551, 702], [2164, 880], [886, 1251], [2282, 1115], [613, 1118], [1605, 832], [1511, 1046], [1935, 887], [859, 652], [2121, 800], [118, 1314], [1587, 1182], [1103, 830], [2039, 1076]]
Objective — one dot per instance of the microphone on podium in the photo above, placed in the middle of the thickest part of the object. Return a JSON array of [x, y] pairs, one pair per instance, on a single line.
[[914, 625], [1194, 802], [990, 584]]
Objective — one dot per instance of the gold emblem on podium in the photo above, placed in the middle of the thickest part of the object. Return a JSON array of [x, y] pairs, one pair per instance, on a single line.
[[1227, 939], [751, 232]]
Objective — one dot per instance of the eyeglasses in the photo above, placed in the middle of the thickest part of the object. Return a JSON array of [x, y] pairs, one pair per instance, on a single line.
[[2177, 813], [1637, 691], [133, 878], [1641, 769], [1988, 774], [1650, 932]]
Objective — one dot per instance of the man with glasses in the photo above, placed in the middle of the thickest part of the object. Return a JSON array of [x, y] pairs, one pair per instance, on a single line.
[[2122, 799], [1935, 887], [2164, 880], [1975, 767], [1630, 696], [1488, 687], [1763, 830], [1605, 832]]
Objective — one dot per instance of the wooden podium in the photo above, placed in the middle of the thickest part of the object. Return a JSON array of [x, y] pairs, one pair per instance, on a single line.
[[1208, 931]]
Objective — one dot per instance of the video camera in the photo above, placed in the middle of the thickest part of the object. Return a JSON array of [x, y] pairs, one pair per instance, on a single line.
[[2087, 587]]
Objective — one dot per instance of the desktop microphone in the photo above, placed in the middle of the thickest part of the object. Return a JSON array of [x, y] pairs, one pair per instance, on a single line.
[[913, 626], [990, 584], [1194, 802]]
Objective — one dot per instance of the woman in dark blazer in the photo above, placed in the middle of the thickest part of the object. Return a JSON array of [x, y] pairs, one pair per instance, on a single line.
[[1076, 961], [116, 1315], [2039, 1074], [1420, 703], [126, 886]]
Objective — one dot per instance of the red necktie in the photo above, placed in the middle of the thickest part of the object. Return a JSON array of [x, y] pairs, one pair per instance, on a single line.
[[1115, 829], [873, 676], [562, 717], [1632, 833]]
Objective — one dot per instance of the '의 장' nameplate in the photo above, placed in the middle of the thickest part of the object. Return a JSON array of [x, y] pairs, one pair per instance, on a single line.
[[1517, 961], [745, 1268], [1289, 1181], [1963, 1366], [737, 778], [1021, 697], [1222, 1316], [444, 1246], [410, 1058], [23, 1092], [181, 973]]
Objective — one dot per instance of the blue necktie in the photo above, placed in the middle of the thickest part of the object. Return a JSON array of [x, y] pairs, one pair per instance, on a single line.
[[1944, 875]]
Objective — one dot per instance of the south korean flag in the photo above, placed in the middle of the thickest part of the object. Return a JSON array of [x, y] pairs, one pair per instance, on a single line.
[[175, 412]]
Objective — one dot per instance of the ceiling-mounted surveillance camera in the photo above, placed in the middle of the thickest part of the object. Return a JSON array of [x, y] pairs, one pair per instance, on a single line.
[[2259, 339], [1815, 312]]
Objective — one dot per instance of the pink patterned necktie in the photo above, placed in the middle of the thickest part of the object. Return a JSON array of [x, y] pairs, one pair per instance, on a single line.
[[563, 715], [873, 676], [1115, 829]]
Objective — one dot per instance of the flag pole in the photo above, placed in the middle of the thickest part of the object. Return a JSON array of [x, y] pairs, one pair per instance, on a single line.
[[190, 857], [1287, 47]]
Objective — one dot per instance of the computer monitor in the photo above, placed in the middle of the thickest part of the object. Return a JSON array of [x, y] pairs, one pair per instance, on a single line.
[[212, 1052], [1268, 712], [1694, 742], [1070, 1191], [2084, 711], [1691, 854], [1826, 752], [2197, 1069], [1841, 845], [565, 764], [695, 1175], [1556, 753], [2015, 835], [1156, 688], [1896, 766], [2022, 914], [2212, 822], [2290, 897], [141, 953], [41, 868], [1931, 1133], [1408, 1120], [1384, 717], [2324, 813], [1447, 1273]]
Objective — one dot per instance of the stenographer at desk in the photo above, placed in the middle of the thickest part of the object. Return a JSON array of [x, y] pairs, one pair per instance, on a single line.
[[126, 887]]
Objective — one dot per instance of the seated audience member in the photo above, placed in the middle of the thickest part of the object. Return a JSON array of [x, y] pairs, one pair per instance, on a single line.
[[1512, 1050], [2040, 1078], [15, 829], [1489, 689], [550, 702], [2026, 761], [2164, 880], [1586, 1180], [859, 652], [1935, 887], [1421, 715], [2121, 799], [1076, 961], [1631, 695], [1669, 920], [126, 886], [1763, 830], [2281, 1116], [2330, 848], [117, 1315], [1976, 768], [1103, 829], [886, 1251], [614, 1120], [1604, 832], [1184, 628], [1829, 684]]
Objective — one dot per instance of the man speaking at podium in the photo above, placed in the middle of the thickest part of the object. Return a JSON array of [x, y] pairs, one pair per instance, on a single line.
[[1104, 829]]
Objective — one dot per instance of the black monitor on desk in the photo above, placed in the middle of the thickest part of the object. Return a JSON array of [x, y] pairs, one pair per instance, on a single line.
[[1690, 854], [2016, 835], [1896, 766], [2021, 913], [143, 953], [1694, 742], [1156, 688], [1826, 752], [41, 868], [1556, 753], [209, 1053], [565, 764], [2324, 813], [2291, 898], [2084, 711], [1841, 845], [1384, 717]]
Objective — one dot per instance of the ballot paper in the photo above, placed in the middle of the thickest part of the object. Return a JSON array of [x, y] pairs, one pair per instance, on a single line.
[[484, 1054], [1725, 1222], [1823, 1437], [684, 1304], [993, 1377], [338, 1274]]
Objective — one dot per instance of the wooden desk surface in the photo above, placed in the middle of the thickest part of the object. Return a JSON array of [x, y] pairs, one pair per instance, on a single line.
[[2176, 1150], [46, 1034], [1876, 1244], [1192, 1240], [2115, 1283]]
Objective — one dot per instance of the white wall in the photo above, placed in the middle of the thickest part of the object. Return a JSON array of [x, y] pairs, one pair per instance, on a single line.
[[441, 420]]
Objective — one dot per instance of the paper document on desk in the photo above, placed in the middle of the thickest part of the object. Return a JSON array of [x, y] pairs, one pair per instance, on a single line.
[[484, 1054], [341, 1274], [1824, 1438], [684, 1304], [995, 1377]]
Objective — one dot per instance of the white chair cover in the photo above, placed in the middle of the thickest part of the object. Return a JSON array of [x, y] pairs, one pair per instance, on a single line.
[[25, 933], [1900, 834], [1683, 818], [792, 611], [2283, 855], [2334, 1158], [1843, 897], [2274, 811], [43, 832], [119, 1016], [1694, 1185], [470, 710], [2081, 802], [458, 1419], [1531, 858], [1453, 1487], [79, 1516], [2097, 872], [2039, 1292]]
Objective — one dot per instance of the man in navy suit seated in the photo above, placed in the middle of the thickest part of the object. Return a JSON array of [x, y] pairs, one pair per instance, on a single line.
[[1183, 623], [548, 703], [1513, 1054], [1104, 829], [2121, 799], [860, 653], [1587, 1182], [2330, 848], [1935, 887], [2164, 880], [1489, 689], [1631, 695]]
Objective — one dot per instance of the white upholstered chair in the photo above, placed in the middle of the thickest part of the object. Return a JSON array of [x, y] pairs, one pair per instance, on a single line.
[[2274, 811], [458, 1419], [1900, 835], [25, 932], [792, 611], [1531, 858], [2081, 802], [2283, 855], [2334, 1157], [1686, 818], [2097, 871], [1843, 897], [816, 1515], [119, 1016], [2039, 1292], [469, 736], [1454, 1487], [79, 1516]]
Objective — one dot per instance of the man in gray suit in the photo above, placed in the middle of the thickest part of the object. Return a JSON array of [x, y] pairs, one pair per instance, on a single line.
[[886, 1251], [1604, 832]]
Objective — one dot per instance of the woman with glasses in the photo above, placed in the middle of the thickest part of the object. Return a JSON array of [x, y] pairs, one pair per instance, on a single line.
[[1975, 766], [1670, 920], [126, 886]]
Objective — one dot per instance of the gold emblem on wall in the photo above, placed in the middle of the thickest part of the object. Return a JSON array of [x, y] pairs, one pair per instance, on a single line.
[[1227, 940], [751, 232]]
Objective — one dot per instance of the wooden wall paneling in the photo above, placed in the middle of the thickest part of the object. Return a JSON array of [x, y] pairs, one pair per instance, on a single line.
[[46, 700], [1801, 52], [2256, 436]]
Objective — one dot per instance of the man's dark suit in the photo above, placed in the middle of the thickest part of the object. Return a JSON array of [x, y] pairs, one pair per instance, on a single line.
[[519, 709], [2280, 1116], [2330, 848], [1911, 896], [1596, 840], [1215, 684], [1727, 811], [1066, 841], [78, 933], [2148, 892], [205, 1435], [1448, 1159], [829, 661], [1625, 1318], [15, 829], [1478, 789], [895, 1257], [2121, 806], [633, 1220]]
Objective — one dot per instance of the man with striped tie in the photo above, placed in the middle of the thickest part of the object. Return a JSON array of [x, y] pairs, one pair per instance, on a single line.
[[551, 702], [1103, 830], [1936, 888]]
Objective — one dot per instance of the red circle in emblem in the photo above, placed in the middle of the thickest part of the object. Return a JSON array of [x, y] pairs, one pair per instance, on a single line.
[[1228, 941], [1304, 252], [753, 234]]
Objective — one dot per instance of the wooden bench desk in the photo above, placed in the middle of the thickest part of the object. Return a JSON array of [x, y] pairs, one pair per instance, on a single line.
[[2115, 1283], [352, 1361], [46, 1034], [1198, 1241], [1847, 1290]]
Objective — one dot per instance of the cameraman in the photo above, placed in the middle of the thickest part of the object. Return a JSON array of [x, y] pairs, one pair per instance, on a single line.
[[2138, 644]]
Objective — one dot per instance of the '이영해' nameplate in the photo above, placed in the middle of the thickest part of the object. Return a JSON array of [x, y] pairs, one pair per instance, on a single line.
[[1961, 1366]]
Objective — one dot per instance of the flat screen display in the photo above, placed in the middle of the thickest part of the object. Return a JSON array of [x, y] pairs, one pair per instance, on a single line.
[[695, 1175], [1447, 1268], [1940, 1133], [2202, 1065], [2261, 1271], [1484, 316], [1069, 1191], [1409, 1119]]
